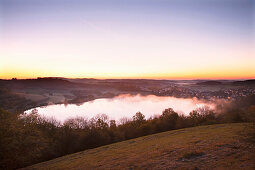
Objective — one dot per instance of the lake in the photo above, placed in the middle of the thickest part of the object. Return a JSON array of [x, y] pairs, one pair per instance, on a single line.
[[121, 106]]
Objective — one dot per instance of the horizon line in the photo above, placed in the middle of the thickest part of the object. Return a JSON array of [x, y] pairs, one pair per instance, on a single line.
[[127, 78]]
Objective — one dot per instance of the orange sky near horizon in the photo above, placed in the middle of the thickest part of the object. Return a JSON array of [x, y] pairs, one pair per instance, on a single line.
[[223, 74]]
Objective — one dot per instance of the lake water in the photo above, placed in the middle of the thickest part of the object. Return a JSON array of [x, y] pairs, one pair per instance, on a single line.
[[121, 106]]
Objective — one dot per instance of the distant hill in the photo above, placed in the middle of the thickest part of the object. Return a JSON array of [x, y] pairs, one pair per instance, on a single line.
[[203, 147], [38, 83], [209, 83], [245, 82]]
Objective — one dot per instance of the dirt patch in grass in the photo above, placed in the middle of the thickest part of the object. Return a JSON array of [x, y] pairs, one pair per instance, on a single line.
[[191, 155]]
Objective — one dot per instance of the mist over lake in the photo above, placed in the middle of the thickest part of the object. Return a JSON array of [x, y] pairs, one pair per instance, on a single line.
[[122, 106]]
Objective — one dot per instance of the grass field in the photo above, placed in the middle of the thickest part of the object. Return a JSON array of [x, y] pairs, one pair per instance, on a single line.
[[204, 147]]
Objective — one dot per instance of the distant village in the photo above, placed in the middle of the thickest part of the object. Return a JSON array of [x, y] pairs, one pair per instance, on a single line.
[[186, 92]]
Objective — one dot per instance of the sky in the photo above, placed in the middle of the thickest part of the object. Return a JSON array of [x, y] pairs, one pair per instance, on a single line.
[[161, 39]]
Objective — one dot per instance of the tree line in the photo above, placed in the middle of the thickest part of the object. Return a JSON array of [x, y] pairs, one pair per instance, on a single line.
[[29, 139]]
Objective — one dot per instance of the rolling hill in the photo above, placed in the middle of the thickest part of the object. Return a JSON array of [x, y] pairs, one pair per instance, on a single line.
[[205, 147]]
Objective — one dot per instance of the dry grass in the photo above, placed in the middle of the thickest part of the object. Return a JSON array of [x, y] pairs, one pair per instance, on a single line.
[[192, 155], [204, 147]]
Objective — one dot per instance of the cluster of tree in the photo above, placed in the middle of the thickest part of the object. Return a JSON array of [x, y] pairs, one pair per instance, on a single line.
[[25, 140]]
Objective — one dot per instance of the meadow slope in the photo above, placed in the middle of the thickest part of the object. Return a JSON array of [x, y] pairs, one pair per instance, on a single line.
[[204, 147]]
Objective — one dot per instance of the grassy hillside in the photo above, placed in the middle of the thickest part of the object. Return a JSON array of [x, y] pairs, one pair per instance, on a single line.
[[203, 147]]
